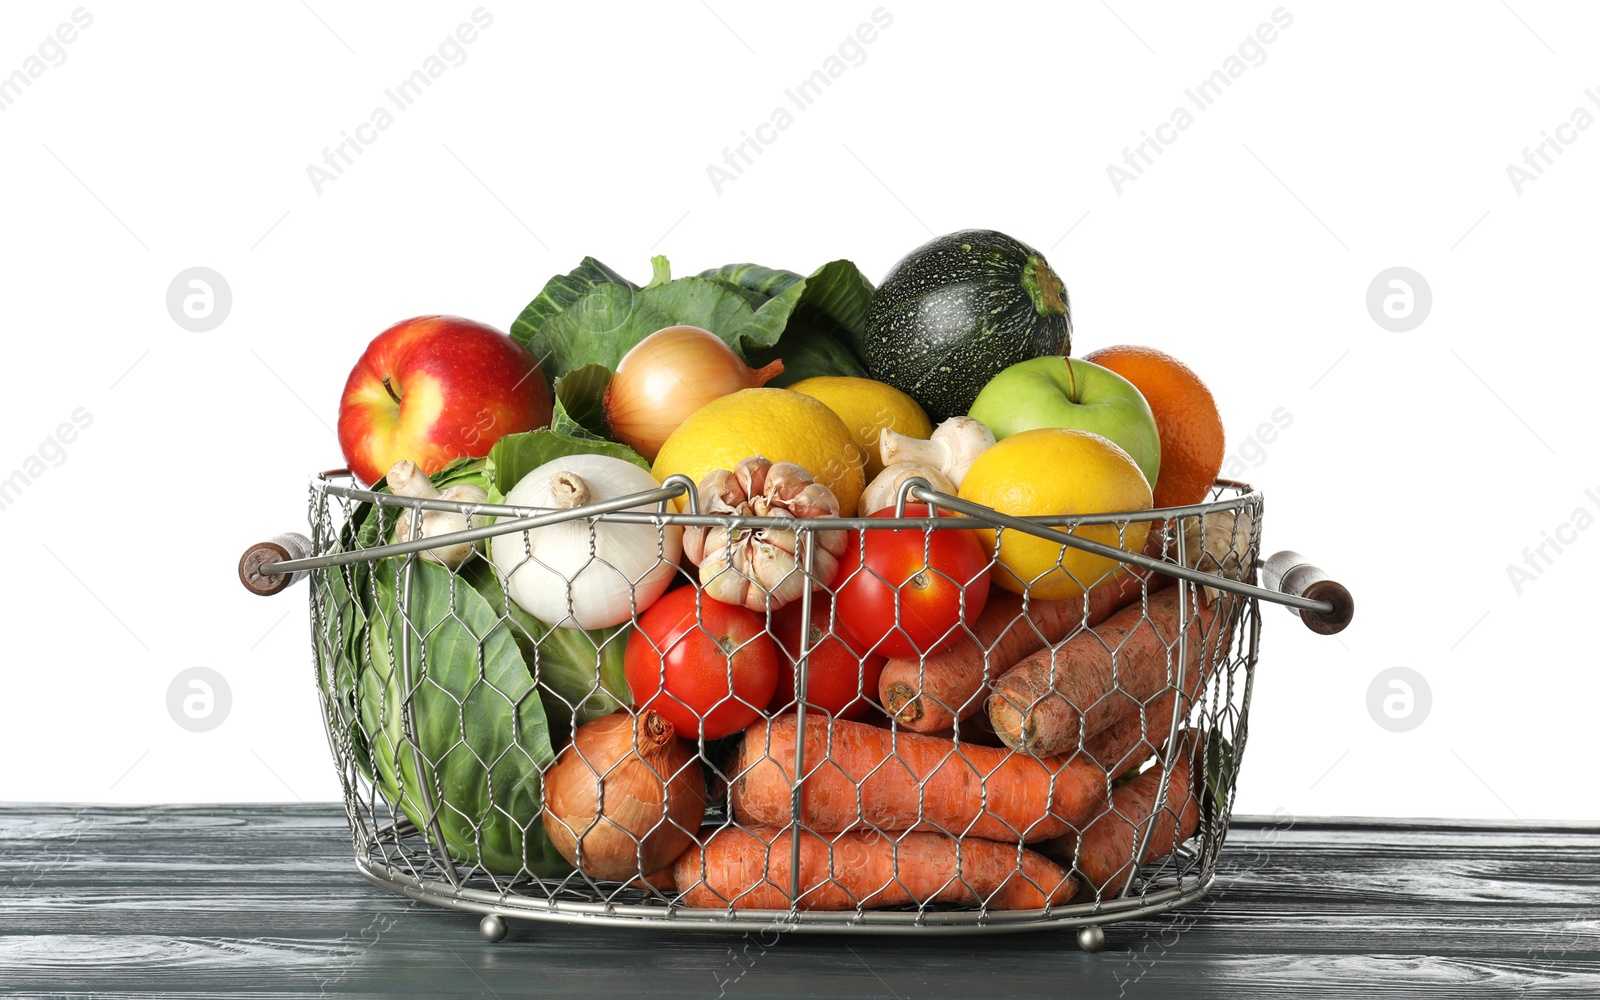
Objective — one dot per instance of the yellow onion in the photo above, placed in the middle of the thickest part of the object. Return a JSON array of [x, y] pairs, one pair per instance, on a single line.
[[624, 799], [667, 377]]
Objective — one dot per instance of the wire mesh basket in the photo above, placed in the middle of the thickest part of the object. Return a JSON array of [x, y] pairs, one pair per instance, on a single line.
[[955, 798]]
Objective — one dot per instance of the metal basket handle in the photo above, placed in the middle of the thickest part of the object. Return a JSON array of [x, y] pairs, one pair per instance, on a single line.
[[1291, 573], [1325, 605]]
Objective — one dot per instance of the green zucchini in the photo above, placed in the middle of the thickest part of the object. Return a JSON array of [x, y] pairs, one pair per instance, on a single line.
[[958, 310]]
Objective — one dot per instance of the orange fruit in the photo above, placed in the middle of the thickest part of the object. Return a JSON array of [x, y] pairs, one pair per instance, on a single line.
[[1187, 420]]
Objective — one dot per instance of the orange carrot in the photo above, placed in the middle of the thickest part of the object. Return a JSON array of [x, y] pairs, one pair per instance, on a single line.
[[860, 777], [1103, 855], [948, 685], [1069, 692], [1133, 738], [750, 868]]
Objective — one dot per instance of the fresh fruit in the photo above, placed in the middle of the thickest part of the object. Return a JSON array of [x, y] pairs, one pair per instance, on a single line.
[[1072, 393], [1186, 419], [704, 666], [959, 309], [434, 389], [868, 408], [1054, 471], [841, 679], [779, 424], [906, 592]]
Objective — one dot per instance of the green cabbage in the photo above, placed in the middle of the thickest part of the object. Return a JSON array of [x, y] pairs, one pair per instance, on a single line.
[[494, 692]]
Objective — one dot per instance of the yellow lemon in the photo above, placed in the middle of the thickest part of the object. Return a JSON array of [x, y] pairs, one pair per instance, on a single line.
[[778, 424], [868, 408], [1054, 471]]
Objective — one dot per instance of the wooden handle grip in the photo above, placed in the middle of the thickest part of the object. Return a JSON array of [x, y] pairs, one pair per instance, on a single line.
[[1291, 573], [279, 548]]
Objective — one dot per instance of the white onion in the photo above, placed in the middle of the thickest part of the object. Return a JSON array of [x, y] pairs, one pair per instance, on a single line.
[[578, 574]]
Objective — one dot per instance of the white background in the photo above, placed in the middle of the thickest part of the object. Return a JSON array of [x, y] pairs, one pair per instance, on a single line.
[[1417, 466]]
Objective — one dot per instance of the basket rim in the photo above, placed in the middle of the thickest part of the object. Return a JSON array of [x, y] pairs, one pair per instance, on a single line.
[[1244, 495]]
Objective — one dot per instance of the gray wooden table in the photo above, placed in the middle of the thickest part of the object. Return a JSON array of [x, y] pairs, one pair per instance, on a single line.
[[232, 901]]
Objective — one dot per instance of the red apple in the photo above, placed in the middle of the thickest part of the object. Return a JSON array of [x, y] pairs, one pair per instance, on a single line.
[[434, 389]]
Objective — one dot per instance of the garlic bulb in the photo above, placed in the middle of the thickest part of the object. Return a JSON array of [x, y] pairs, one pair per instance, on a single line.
[[580, 573], [759, 568], [406, 479]]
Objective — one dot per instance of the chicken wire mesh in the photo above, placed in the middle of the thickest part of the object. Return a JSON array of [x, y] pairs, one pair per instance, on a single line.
[[447, 707]]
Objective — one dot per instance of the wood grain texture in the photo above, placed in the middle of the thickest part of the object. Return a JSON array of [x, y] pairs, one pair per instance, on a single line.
[[232, 901]]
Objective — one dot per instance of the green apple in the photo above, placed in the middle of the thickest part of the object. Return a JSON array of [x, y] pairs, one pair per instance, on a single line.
[[1068, 392]]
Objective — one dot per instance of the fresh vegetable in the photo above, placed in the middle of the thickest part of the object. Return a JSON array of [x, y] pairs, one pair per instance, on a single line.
[[1140, 731], [859, 776], [1219, 543], [1104, 854], [763, 568], [1053, 472], [931, 694], [822, 330], [406, 480], [959, 309], [588, 574], [870, 409], [841, 679], [481, 735], [909, 591], [669, 375], [777, 424], [884, 490], [752, 869], [593, 315], [625, 798], [1061, 694], [516, 455], [954, 445], [707, 667]]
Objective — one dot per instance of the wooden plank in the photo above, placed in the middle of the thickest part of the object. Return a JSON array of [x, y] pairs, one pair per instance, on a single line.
[[230, 901]]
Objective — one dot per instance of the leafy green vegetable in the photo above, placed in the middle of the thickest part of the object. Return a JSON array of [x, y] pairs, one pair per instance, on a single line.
[[829, 314], [806, 357], [494, 692], [341, 627], [560, 294], [516, 455], [1218, 771], [833, 300], [579, 673], [482, 739], [580, 403], [583, 318]]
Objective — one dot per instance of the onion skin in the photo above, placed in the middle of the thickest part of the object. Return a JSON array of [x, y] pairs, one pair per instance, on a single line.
[[636, 833], [669, 375]]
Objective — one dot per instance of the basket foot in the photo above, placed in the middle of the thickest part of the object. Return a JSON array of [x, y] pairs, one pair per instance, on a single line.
[[493, 928], [1091, 938]]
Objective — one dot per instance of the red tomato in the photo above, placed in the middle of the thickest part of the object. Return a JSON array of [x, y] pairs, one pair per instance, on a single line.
[[923, 574], [706, 667], [841, 679]]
